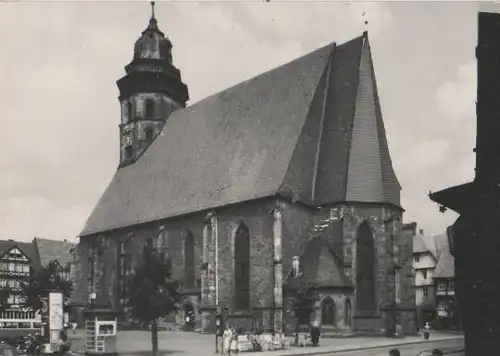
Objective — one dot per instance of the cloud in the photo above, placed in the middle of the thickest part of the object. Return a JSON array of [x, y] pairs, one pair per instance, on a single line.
[[59, 121], [455, 99], [445, 158]]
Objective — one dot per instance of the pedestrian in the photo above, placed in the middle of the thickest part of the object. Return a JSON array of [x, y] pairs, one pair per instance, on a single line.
[[437, 352], [226, 339], [427, 331], [394, 352], [233, 346], [315, 333], [73, 327]]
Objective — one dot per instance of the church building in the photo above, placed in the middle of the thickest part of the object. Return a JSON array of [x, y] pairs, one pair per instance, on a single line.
[[280, 185]]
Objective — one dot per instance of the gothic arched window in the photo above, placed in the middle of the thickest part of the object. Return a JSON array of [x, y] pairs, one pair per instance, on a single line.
[[328, 311], [242, 268], [150, 109], [365, 269], [148, 133], [347, 312], [189, 274]]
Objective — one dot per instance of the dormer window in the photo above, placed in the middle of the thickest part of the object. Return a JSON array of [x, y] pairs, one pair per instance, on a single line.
[[150, 109]]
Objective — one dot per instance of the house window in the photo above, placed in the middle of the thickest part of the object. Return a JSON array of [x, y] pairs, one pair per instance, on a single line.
[[426, 291], [442, 285], [424, 274], [451, 285], [150, 109], [417, 258]]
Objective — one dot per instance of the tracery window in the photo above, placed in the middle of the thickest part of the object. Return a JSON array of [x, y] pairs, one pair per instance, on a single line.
[[365, 269], [91, 270], [123, 271], [242, 268], [189, 270]]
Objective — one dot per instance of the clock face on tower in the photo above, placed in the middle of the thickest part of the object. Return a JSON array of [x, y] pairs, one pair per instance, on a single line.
[[128, 140]]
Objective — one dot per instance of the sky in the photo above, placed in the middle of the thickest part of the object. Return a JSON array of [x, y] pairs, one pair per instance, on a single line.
[[60, 112]]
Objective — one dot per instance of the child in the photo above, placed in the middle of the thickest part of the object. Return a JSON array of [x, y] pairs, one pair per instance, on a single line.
[[427, 331]]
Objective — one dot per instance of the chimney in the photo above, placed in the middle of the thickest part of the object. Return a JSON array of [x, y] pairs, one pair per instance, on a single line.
[[488, 99], [421, 231], [65, 241]]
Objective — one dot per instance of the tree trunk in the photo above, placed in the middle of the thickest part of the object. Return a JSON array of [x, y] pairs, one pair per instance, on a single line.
[[154, 336], [297, 330]]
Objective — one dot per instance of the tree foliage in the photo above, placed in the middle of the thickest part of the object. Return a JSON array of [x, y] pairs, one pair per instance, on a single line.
[[153, 294], [46, 278], [303, 305]]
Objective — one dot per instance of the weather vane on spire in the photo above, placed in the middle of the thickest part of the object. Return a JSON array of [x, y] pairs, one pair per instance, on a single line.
[[366, 21], [152, 9]]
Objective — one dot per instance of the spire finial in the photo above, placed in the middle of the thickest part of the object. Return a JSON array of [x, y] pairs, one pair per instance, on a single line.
[[152, 9], [366, 22]]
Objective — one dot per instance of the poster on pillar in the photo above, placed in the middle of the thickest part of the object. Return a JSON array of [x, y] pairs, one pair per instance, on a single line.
[[56, 316]]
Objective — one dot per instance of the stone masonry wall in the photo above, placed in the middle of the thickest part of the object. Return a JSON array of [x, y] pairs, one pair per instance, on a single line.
[[298, 225], [256, 215]]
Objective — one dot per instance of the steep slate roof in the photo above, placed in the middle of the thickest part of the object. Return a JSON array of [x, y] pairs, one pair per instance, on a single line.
[[424, 243], [50, 250], [311, 129], [445, 267], [27, 248]]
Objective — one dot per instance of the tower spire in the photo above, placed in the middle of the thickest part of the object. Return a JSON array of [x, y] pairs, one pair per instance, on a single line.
[[153, 24]]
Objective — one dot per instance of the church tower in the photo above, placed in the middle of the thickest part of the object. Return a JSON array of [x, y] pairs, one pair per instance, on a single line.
[[150, 92]]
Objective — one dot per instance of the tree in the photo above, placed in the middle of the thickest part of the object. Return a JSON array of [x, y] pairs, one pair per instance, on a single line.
[[153, 294], [303, 305], [46, 278]]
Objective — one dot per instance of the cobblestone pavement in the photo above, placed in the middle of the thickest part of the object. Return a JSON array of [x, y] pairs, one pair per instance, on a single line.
[[138, 343]]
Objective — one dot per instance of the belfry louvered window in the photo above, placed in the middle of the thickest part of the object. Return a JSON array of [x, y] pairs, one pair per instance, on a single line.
[[150, 109]]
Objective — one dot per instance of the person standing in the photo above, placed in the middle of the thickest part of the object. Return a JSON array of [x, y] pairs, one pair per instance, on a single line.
[[233, 346], [427, 331], [226, 339], [315, 333]]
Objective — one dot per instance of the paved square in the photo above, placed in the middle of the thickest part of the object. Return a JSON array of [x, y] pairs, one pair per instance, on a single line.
[[138, 343]]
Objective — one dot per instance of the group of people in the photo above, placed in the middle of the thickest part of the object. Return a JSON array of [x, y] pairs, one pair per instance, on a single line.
[[230, 343]]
